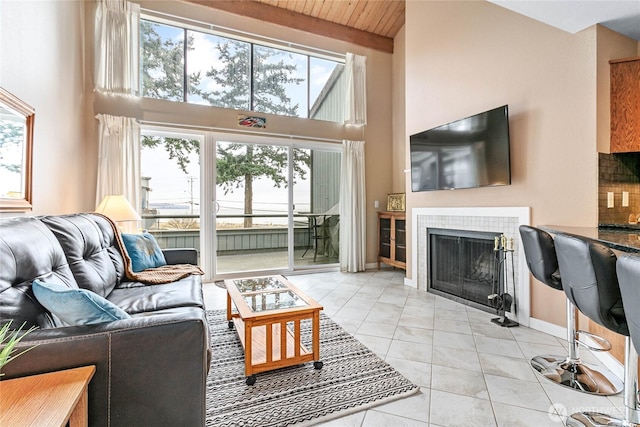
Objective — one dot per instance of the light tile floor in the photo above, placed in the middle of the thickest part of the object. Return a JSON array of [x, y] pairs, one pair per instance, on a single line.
[[471, 371]]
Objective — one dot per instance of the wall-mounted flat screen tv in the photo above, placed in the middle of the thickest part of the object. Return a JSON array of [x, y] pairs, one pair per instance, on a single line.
[[468, 153]]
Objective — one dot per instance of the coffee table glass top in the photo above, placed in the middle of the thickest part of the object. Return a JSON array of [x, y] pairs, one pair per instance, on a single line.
[[258, 284], [259, 296], [276, 300]]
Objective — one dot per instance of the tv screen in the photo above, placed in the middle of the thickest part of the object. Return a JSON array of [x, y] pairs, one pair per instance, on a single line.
[[468, 153]]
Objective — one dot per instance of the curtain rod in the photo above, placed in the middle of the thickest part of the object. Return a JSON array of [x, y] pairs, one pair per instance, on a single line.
[[239, 131]]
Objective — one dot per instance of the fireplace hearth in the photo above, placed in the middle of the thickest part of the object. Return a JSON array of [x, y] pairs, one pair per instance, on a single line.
[[463, 266]]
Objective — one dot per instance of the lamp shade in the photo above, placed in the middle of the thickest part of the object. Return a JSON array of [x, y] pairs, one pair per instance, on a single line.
[[118, 209]]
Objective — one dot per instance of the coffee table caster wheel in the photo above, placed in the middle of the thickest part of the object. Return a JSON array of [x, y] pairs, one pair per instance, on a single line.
[[318, 365], [230, 324], [251, 380]]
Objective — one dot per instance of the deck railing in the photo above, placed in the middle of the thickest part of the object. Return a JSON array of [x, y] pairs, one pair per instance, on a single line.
[[169, 234]]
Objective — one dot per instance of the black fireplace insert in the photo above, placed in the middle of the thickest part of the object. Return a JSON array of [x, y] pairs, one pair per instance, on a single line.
[[463, 266]]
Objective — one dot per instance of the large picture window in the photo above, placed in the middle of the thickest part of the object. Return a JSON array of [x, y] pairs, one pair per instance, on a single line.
[[181, 64]]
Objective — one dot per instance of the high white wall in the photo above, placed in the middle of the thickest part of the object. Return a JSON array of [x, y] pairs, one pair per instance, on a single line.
[[41, 62]]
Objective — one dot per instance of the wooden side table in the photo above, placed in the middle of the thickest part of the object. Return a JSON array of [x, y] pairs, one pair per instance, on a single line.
[[50, 399]]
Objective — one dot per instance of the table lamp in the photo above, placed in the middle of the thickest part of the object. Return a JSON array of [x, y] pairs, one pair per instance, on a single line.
[[120, 211]]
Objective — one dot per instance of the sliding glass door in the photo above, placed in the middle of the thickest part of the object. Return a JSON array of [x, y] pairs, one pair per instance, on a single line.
[[316, 208], [276, 205], [250, 205]]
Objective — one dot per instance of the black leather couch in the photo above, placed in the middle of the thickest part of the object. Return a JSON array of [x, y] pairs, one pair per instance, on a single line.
[[151, 369]]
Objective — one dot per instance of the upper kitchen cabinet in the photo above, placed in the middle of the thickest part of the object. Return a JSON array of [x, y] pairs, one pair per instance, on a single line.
[[625, 105]]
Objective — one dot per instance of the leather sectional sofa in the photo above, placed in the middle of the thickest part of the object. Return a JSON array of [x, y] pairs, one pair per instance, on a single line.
[[151, 369]]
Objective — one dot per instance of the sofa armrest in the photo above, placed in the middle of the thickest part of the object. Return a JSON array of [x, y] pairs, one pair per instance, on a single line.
[[142, 364], [181, 256]]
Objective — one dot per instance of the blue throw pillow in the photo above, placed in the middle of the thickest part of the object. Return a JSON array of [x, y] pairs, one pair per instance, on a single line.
[[76, 306], [143, 251]]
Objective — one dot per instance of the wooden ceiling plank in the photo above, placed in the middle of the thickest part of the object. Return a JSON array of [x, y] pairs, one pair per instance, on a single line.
[[358, 9], [340, 12], [397, 24], [325, 10], [389, 17], [290, 19], [307, 9], [334, 9], [297, 6], [388, 20], [317, 7], [378, 24], [380, 8], [375, 16], [370, 17], [347, 11]]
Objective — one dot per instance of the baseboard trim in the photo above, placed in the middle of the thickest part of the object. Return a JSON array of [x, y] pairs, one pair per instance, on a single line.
[[548, 328], [371, 266]]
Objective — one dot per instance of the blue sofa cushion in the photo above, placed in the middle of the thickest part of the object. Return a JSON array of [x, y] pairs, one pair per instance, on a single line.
[[76, 306], [143, 251]]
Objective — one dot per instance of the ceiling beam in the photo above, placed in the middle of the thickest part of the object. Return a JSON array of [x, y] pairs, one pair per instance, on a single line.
[[298, 21]]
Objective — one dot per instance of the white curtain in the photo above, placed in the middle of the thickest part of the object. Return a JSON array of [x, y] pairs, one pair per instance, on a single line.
[[353, 205], [117, 52], [355, 109], [119, 159]]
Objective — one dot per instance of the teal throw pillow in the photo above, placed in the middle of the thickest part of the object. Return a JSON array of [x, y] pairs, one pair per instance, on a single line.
[[76, 306], [143, 251]]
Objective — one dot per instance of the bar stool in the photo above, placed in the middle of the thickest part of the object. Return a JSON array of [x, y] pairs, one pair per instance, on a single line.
[[628, 275], [589, 280], [568, 371]]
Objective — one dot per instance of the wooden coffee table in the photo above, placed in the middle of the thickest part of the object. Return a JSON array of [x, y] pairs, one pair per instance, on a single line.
[[267, 306]]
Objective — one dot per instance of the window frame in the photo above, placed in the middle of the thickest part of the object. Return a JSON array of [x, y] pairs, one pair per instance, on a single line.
[[253, 40]]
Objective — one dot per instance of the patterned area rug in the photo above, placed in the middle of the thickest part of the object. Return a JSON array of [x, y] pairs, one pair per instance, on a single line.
[[353, 378]]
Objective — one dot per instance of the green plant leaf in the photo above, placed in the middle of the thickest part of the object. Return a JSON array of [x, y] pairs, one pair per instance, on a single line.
[[8, 340]]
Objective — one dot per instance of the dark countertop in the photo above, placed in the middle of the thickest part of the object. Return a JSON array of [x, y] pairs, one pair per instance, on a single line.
[[619, 238]]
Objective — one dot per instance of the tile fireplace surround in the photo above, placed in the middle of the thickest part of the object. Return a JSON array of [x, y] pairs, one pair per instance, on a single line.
[[505, 220]]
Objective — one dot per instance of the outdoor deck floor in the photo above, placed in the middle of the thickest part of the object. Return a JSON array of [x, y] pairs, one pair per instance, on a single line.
[[266, 260]]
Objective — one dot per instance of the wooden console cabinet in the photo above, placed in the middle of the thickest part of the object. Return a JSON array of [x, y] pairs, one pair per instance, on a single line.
[[392, 242], [625, 105]]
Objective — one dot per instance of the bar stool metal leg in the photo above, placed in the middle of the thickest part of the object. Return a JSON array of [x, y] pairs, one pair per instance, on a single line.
[[570, 371], [631, 399]]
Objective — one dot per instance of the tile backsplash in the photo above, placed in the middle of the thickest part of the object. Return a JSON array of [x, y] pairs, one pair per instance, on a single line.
[[618, 173]]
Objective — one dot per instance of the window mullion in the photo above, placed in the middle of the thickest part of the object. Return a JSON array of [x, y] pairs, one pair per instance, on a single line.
[[308, 87], [185, 78], [251, 79]]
